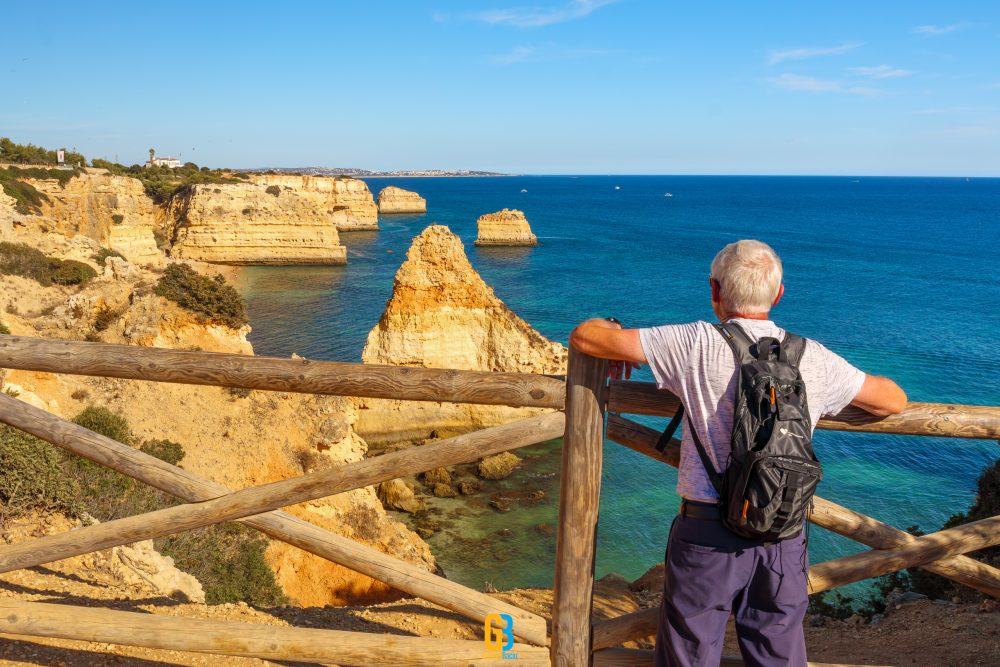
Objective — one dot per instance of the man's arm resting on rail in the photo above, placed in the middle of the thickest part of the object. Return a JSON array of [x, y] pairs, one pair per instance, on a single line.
[[880, 396], [607, 340]]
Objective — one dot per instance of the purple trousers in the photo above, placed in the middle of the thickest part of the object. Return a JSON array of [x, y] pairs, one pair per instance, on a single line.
[[712, 573]]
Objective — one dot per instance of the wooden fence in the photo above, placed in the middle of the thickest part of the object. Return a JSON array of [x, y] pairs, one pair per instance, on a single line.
[[581, 404]]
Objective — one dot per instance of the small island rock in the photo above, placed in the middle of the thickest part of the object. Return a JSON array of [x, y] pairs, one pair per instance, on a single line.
[[506, 227], [397, 200]]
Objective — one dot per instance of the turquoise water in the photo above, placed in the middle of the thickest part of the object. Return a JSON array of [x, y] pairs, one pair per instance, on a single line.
[[899, 275]]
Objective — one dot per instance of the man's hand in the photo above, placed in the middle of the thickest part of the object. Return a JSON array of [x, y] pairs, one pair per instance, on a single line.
[[608, 340], [619, 370]]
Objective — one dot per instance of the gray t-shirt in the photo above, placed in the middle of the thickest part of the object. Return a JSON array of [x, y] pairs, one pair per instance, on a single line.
[[694, 362]]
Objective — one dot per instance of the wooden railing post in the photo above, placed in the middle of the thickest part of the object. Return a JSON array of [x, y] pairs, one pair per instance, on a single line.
[[579, 498]]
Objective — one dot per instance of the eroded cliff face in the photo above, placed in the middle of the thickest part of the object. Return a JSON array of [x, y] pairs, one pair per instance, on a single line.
[[247, 224], [113, 210], [443, 315], [234, 438], [347, 200], [503, 228], [397, 200]]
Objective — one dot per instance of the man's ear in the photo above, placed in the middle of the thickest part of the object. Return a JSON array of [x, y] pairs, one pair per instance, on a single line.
[[781, 293], [716, 290]]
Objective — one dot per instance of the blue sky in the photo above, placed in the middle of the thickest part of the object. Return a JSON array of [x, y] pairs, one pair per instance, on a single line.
[[547, 86]]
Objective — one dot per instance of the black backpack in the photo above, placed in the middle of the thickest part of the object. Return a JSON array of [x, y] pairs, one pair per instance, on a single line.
[[767, 487]]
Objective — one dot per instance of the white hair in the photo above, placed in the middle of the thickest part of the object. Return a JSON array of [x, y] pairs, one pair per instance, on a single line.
[[749, 276]]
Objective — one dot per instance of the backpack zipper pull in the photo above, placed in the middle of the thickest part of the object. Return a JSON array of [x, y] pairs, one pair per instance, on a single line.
[[774, 401]]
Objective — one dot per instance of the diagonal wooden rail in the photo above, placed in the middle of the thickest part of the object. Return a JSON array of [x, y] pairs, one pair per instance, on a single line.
[[260, 499], [267, 642], [277, 524]]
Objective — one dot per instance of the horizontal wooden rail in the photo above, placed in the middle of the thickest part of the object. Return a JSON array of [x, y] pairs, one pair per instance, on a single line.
[[267, 642], [933, 419], [639, 657], [827, 514], [280, 525], [257, 500], [269, 373]]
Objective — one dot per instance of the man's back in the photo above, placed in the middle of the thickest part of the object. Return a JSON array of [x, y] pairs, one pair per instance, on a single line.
[[694, 362]]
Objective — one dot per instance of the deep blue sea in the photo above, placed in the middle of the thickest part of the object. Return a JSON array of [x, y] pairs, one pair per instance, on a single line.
[[899, 275]]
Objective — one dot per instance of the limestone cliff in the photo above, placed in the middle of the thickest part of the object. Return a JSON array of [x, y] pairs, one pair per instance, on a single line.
[[113, 210], [347, 200], [443, 315], [397, 200], [506, 227], [247, 223], [235, 438]]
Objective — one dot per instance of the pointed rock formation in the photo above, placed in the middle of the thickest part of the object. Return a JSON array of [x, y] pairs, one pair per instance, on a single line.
[[443, 315], [397, 200], [506, 227]]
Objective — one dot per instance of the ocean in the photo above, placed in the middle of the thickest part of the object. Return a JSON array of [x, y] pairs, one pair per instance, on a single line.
[[898, 275]]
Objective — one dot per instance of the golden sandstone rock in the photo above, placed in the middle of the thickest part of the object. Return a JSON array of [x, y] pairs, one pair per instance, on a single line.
[[113, 210], [253, 224], [347, 200], [397, 200], [506, 227], [443, 315]]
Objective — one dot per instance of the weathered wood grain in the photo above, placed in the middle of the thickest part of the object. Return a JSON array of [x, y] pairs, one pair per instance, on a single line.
[[279, 525], [267, 642], [926, 549], [579, 499], [451, 451], [933, 419], [269, 373]]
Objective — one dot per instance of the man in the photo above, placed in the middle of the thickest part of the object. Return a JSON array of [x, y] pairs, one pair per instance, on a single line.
[[710, 571]]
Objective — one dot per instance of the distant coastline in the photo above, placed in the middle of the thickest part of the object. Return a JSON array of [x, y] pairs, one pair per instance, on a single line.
[[366, 173]]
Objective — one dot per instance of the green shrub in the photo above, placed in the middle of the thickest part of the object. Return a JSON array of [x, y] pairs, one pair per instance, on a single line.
[[212, 298], [20, 259], [117, 218], [33, 477], [4, 330], [102, 256], [240, 392], [105, 422], [71, 272], [228, 560], [29, 153], [273, 190], [165, 450]]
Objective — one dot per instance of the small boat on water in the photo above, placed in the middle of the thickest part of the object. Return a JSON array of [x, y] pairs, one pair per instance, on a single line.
[[668, 194], [617, 188], [523, 190]]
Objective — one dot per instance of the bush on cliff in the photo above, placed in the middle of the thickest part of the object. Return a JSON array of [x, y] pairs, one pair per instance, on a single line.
[[3, 329], [104, 253], [20, 259], [211, 298], [31, 154], [228, 559]]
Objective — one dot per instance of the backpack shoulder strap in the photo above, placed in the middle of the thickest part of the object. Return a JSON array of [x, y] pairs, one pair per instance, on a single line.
[[713, 475], [738, 341], [792, 349]]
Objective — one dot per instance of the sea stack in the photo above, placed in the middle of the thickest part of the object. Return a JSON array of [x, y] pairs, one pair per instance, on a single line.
[[443, 315], [397, 200], [503, 228]]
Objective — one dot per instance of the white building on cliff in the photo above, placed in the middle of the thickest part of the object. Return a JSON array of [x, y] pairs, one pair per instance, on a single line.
[[171, 162]]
